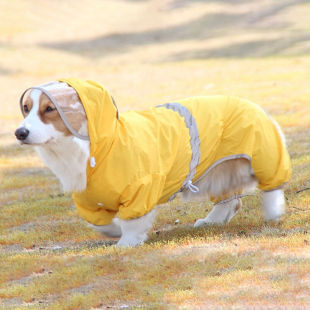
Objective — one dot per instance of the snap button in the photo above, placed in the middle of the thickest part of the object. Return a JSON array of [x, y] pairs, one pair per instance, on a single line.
[[92, 162]]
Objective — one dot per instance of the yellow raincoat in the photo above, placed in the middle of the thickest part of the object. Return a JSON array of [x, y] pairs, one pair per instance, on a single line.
[[143, 158]]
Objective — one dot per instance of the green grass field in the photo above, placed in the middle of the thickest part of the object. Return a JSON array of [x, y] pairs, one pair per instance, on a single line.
[[147, 53]]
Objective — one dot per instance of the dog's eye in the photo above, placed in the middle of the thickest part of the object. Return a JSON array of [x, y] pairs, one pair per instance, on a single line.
[[26, 110], [49, 109]]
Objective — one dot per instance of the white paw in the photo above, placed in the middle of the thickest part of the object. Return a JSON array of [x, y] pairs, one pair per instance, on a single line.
[[200, 222], [273, 205], [112, 230], [130, 241]]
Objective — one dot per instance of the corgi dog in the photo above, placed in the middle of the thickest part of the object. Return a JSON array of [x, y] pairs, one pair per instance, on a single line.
[[189, 158]]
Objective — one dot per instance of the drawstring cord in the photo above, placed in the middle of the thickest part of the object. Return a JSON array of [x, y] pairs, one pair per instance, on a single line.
[[232, 198], [193, 188]]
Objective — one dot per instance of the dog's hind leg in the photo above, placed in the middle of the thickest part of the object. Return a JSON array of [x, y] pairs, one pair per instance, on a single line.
[[221, 213], [227, 179], [273, 204]]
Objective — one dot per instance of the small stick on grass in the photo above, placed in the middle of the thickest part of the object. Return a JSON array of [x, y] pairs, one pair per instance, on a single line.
[[302, 190]]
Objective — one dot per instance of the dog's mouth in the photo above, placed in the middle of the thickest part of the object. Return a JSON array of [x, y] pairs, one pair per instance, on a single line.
[[24, 142], [49, 141]]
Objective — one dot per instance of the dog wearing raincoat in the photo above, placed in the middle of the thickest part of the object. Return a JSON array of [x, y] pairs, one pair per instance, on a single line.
[[121, 166]]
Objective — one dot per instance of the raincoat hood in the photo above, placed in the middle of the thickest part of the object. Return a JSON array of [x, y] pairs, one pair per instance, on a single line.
[[100, 110]]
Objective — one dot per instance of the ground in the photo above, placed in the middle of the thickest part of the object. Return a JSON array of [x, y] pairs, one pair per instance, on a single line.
[[147, 53]]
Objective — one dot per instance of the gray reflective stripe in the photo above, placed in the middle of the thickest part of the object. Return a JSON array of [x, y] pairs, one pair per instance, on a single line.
[[194, 139], [117, 114], [61, 114], [221, 160]]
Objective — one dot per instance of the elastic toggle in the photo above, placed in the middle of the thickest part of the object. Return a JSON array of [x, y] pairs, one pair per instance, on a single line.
[[193, 188]]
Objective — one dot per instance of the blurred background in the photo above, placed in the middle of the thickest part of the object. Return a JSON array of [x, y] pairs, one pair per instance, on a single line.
[[149, 51], [153, 51]]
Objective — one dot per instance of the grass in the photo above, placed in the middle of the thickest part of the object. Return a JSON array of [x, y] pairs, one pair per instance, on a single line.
[[147, 53]]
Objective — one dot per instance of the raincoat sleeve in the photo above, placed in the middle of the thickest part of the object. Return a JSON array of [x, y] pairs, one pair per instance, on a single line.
[[141, 196], [95, 216]]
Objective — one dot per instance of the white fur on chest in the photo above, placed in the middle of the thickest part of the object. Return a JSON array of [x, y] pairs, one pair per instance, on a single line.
[[68, 161]]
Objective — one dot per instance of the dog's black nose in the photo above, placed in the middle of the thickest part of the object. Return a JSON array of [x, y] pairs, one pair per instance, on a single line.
[[21, 133]]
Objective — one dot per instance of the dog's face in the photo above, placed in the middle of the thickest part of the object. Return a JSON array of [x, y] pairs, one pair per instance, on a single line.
[[42, 123]]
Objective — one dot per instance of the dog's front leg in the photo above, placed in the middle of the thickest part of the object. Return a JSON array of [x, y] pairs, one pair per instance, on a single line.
[[134, 232], [111, 230]]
